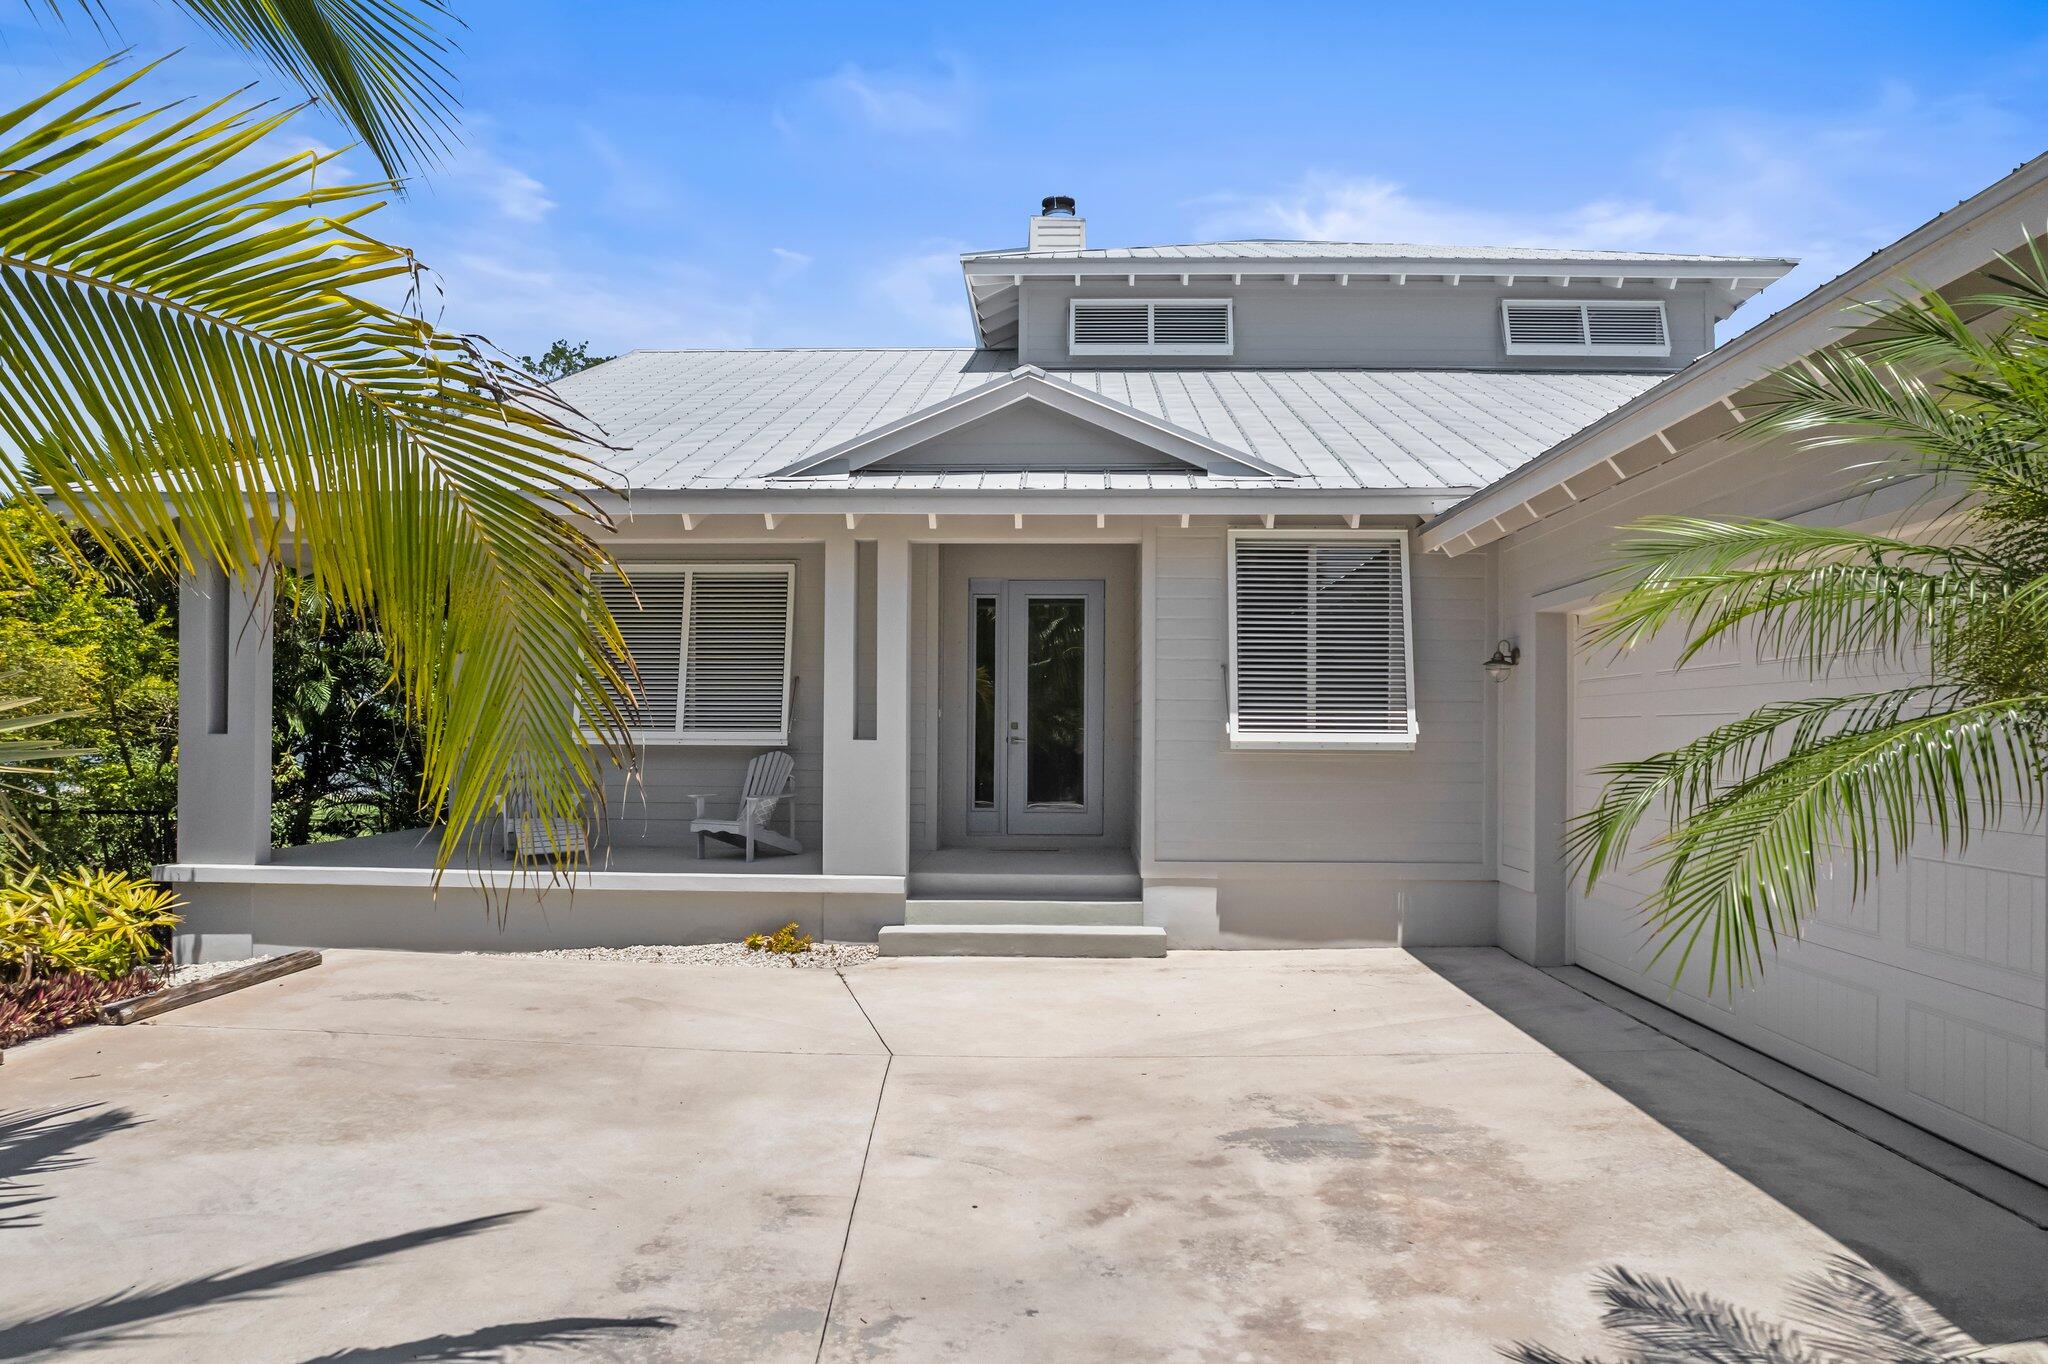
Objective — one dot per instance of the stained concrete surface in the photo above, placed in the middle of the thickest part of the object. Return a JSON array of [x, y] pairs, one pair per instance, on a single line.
[[1367, 1155]]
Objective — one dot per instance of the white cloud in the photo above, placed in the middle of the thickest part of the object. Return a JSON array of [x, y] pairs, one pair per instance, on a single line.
[[898, 103], [924, 288], [788, 264], [1825, 191]]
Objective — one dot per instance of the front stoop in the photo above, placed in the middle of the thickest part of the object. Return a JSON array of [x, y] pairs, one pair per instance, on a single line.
[[1039, 939]]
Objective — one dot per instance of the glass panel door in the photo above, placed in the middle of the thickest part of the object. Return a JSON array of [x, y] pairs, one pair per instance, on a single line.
[[1034, 730]]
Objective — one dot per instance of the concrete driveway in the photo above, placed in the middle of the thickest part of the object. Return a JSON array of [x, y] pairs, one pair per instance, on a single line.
[[1227, 1156]]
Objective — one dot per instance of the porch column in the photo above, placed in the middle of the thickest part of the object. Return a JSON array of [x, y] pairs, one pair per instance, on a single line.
[[224, 756], [867, 793]]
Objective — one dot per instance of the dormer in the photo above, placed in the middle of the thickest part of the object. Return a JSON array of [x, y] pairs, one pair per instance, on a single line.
[[1350, 305]]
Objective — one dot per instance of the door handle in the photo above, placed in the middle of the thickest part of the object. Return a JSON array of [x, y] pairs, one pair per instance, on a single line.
[[1016, 738]]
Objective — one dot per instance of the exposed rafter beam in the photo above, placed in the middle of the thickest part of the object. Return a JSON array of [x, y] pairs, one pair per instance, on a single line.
[[771, 519], [931, 520], [1733, 410], [1351, 520], [1017, 522], [852, 520], [689, 521], [1663, 439]]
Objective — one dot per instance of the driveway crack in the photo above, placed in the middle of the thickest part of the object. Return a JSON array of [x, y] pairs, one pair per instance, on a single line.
[[860, 1181]]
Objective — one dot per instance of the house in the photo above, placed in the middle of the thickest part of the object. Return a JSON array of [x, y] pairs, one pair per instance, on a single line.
[[1159, 616]]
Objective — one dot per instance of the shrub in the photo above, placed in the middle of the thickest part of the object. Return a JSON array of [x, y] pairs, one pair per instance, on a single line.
[[32, 1008], [784, 941], [107, 925]]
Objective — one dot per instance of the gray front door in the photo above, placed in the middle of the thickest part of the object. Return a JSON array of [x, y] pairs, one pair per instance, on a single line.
[[1035, 739]]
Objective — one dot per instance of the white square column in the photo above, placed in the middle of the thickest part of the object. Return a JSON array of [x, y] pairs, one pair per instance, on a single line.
[[867, 781], [224, 753]]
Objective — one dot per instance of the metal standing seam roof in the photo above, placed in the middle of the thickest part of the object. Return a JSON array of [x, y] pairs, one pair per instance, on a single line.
[[1299, 250], [729, 420]]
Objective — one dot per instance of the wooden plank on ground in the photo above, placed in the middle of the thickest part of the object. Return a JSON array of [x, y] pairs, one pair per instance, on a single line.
[[139, 1007]]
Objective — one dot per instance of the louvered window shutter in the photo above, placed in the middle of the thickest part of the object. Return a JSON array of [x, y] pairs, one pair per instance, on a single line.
[[1562, 327], [1319, 641], [1181, 327], [711, 645]]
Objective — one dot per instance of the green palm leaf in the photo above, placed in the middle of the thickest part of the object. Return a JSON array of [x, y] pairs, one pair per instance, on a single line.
[[1953, 393], [23, 753], [192, 364], [378, 65]]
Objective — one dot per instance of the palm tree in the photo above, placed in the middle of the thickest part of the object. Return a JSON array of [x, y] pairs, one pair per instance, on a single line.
[[194, 366], [1758, 808], [23, 753], [376, 64]]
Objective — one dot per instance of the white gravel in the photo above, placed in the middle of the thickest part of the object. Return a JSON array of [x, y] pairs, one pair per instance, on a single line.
[[168, 976], [823, 956]]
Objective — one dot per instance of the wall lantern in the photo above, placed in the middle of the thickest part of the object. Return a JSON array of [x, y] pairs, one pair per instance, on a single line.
[[1505, 657]]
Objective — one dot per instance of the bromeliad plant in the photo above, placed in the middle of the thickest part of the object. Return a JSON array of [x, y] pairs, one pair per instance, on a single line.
[[103, 924], [1758, 809]]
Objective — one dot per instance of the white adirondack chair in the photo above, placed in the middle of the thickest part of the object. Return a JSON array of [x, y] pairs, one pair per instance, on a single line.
[[770, 781]]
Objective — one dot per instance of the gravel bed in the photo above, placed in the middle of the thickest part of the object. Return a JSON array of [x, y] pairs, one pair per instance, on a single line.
[[824, 956], [168, 976]]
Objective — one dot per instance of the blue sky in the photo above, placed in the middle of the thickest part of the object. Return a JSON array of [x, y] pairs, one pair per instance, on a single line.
[[650, 174]]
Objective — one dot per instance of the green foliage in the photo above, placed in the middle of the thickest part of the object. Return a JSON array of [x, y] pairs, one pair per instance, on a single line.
[[99, 651], [1758, 809], [25, 753], [347, 763], [561, 359], [184, 320], [787, 940], [376, 64], [105, 924]]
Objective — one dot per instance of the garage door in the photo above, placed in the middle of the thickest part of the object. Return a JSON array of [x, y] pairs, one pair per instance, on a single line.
[[1925, 997]]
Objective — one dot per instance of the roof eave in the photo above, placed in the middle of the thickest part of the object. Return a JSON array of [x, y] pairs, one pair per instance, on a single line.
[[1945, 248]]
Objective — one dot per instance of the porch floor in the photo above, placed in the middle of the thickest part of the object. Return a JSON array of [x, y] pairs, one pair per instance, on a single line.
[[413, 849]]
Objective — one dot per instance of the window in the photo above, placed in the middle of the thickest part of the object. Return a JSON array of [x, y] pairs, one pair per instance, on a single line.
[[711, 645], [1194, 326], [1565, 327], [1319, 640]]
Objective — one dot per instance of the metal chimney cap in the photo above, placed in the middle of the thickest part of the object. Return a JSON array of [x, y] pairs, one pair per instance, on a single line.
[[1056, 206]]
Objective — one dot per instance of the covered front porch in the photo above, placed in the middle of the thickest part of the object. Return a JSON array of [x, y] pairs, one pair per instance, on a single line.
[[931, 753]]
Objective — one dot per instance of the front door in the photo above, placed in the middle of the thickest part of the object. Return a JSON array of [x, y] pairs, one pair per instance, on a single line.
[[1036, 733]]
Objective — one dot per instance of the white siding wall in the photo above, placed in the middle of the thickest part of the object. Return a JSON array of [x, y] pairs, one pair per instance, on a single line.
[[1925, 997], [654, 809]]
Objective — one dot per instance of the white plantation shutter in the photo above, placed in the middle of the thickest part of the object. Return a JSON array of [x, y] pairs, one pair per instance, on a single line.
[[1320, 655], [1199, 326], [711, 644], [1563, 327]]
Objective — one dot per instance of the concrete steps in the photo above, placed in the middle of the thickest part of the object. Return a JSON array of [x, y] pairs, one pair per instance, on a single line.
[[1102, 913], [1022, 940], [972, 874]]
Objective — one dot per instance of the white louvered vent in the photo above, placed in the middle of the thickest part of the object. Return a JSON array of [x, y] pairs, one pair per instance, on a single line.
[[1627, 324], [1557, 327], [1196, 326], [711, 645], [1319, 641]]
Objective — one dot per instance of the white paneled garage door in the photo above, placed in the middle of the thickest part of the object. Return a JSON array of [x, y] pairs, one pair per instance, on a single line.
[[1924, 998]]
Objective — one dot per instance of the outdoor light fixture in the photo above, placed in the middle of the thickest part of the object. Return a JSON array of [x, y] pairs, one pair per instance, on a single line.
[[1505, 657]]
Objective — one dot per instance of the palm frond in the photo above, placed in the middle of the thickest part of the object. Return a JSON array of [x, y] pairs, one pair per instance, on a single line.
[[1744, 867], [1694, 775], [380, 66], [22, 754], [189, 361]]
